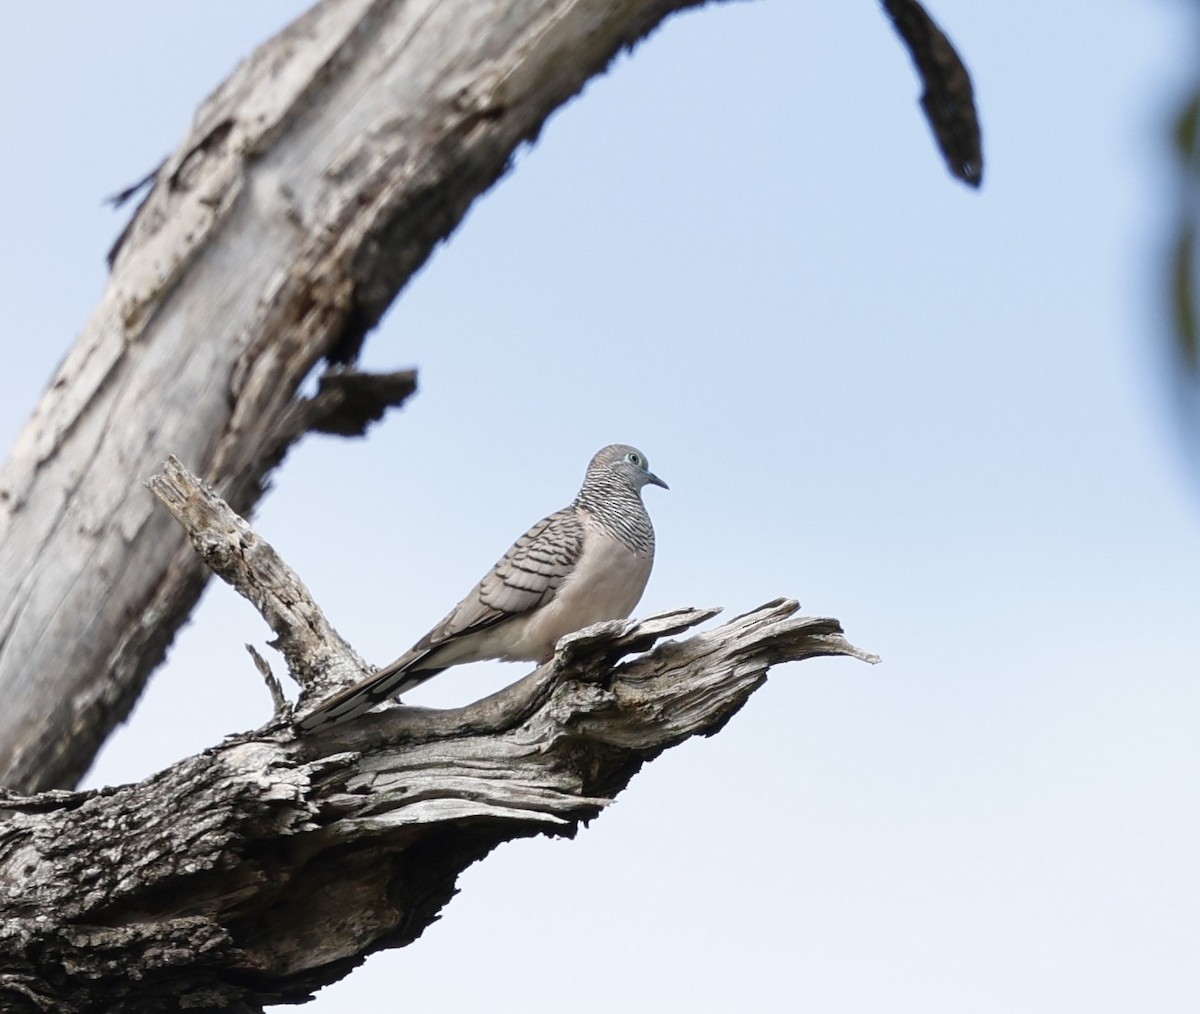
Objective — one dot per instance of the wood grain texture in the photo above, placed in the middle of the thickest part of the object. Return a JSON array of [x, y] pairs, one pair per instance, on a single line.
[[312, 184], [267, 866]]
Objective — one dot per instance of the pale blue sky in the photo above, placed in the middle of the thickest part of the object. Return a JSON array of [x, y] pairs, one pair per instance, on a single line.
[[933, 413]]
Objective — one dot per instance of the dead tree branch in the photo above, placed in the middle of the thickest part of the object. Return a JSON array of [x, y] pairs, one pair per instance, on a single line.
[[270, 865], [311, 186]]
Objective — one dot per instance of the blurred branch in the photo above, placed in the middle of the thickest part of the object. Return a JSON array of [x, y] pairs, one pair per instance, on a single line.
[[949, 98], [1184, 332], [1187, 150]]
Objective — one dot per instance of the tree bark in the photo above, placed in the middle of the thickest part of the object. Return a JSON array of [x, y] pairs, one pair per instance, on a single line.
[[266, 867], [312, 185]]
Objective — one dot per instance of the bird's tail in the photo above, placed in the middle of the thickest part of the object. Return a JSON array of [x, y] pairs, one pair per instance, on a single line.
[[393, 679]]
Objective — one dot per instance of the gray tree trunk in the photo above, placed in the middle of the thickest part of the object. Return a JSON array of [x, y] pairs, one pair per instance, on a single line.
[[312, 185], [268, 866]]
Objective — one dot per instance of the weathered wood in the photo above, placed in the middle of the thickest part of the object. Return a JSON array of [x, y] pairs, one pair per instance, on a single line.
[[312, 185], [263, 868], [314, 651]]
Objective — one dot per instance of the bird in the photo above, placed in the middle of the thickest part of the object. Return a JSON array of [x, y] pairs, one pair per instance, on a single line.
[[583, 564]]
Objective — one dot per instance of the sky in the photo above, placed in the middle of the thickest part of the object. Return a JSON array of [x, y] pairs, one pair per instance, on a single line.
[[940, 416]]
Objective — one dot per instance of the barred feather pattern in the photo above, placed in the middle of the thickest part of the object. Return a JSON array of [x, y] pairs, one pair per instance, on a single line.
[[585, 563], [613, 500]]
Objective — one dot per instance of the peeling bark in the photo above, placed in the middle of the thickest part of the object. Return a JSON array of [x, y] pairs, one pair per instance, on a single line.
[[312, 184], [270, 865]]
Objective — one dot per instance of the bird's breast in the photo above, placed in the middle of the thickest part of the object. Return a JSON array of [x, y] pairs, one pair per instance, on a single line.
[[605, 584]]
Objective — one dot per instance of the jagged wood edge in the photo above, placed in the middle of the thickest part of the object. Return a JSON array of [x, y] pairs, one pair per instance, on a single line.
[[330, 243], [270, 865], [316, 654]]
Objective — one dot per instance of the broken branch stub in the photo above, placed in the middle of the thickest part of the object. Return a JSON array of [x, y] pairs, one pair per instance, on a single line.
[[269, 865]]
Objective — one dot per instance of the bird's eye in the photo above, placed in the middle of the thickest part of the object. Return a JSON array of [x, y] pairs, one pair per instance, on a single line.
[[634, 458]]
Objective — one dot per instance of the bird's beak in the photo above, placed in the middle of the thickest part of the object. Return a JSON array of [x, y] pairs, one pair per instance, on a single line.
[[654, 480]]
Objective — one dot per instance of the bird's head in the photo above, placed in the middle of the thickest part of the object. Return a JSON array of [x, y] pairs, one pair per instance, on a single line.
[[625, 464]]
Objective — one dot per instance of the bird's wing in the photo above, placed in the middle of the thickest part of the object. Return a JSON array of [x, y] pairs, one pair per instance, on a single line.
[[525, 578]]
